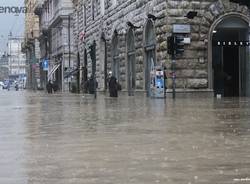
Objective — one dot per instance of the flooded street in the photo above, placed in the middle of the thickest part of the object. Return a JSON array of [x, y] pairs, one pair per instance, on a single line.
[[63, 139]]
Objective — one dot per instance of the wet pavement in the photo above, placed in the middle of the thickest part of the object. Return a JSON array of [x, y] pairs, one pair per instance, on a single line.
[[64, 139]]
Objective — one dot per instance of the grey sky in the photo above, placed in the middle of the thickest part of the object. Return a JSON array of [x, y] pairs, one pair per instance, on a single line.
[[10, 22]]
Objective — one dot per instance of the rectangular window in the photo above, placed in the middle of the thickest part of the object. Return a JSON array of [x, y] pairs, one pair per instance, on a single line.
[[84, 15], [93, 9], [102, 6], [114, 3]]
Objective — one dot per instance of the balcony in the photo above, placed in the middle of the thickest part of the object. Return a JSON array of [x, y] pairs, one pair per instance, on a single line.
[[38, 7]]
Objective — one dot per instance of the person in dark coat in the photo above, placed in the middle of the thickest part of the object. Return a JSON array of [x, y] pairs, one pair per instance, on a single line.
[[113, 87], [55, 86], [92, 85], [49, 87]]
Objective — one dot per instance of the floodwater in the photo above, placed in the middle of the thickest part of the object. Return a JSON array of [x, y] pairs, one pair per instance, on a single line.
[[71, 139]]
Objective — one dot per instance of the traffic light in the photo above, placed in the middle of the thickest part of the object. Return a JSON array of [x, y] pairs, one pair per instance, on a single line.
[[179, 44], [175, 45], [171, 45]]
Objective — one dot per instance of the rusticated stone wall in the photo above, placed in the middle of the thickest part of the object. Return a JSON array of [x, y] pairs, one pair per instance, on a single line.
[[192, 67]]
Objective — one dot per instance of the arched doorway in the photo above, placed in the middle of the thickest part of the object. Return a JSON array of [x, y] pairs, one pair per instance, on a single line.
[[115, 56], [85, 71], [230, 55], [103, 62], [93, 58], [150, 57], [131, 62]]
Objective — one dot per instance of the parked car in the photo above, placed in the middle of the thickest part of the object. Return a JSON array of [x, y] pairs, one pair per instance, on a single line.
[[6, 85]]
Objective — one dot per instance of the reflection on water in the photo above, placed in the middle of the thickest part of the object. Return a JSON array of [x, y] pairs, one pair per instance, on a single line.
[[75, 139]]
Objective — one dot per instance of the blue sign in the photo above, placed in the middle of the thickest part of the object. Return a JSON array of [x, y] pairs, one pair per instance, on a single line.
[[45, 64]]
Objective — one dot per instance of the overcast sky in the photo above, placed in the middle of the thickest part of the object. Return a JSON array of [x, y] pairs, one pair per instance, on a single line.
[[10, 22]]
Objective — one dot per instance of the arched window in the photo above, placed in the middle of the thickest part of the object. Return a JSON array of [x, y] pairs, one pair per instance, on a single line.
[[150, 50], [131, 66], [149, 35], [103, 61], [115, 56]]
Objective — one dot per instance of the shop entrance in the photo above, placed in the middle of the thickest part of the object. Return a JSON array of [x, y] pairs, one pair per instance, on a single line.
[[230, 56]]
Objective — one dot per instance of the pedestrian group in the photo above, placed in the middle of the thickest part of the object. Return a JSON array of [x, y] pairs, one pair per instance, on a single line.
[[91, 85]]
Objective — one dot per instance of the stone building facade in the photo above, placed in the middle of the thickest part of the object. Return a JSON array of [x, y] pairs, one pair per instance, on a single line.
[[16, 59], [4, 67], [30, 45], [130, 36], [56, 40]]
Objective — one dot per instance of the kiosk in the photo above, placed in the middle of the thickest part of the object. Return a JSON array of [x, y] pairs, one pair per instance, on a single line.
[[157, 85]]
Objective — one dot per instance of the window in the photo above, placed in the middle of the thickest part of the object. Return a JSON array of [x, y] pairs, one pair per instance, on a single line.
[[102, 6], [114, 3], [150, 59], [84, 15], [93, 7]]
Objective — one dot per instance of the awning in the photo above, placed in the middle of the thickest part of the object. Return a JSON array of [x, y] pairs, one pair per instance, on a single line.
[[53, 70], [70, 73]]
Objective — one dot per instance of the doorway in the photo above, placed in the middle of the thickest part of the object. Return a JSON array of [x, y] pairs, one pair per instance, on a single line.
[[150, 53], [230, 53], [131, 73], [85, 66], [103, 57], [115, 56]]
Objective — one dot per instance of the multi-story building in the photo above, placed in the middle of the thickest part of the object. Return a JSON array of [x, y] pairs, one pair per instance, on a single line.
[[30, 47], [56, 41], [16, 59], [129, 38], [4, 66]]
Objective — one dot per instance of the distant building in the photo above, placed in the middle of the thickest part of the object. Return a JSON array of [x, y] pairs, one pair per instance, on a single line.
[[56, 43], [16, 59], [31, 48], [129, 38], [4, 66], [4, 60]]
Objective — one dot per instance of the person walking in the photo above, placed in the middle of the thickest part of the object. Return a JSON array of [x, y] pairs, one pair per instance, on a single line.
[[55, 86], [92, 85], [113, 87], [49, 87]]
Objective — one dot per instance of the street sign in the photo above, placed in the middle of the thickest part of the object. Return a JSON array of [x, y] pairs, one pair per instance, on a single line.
[[45, 65], [181, 28], [232, 43]]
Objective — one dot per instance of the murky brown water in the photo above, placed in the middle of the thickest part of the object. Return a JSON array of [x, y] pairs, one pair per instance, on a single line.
[[63, 139]]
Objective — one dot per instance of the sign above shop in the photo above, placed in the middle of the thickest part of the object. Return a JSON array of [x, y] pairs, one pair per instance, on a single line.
[[232, 43], [181, 28], [45, 65]]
